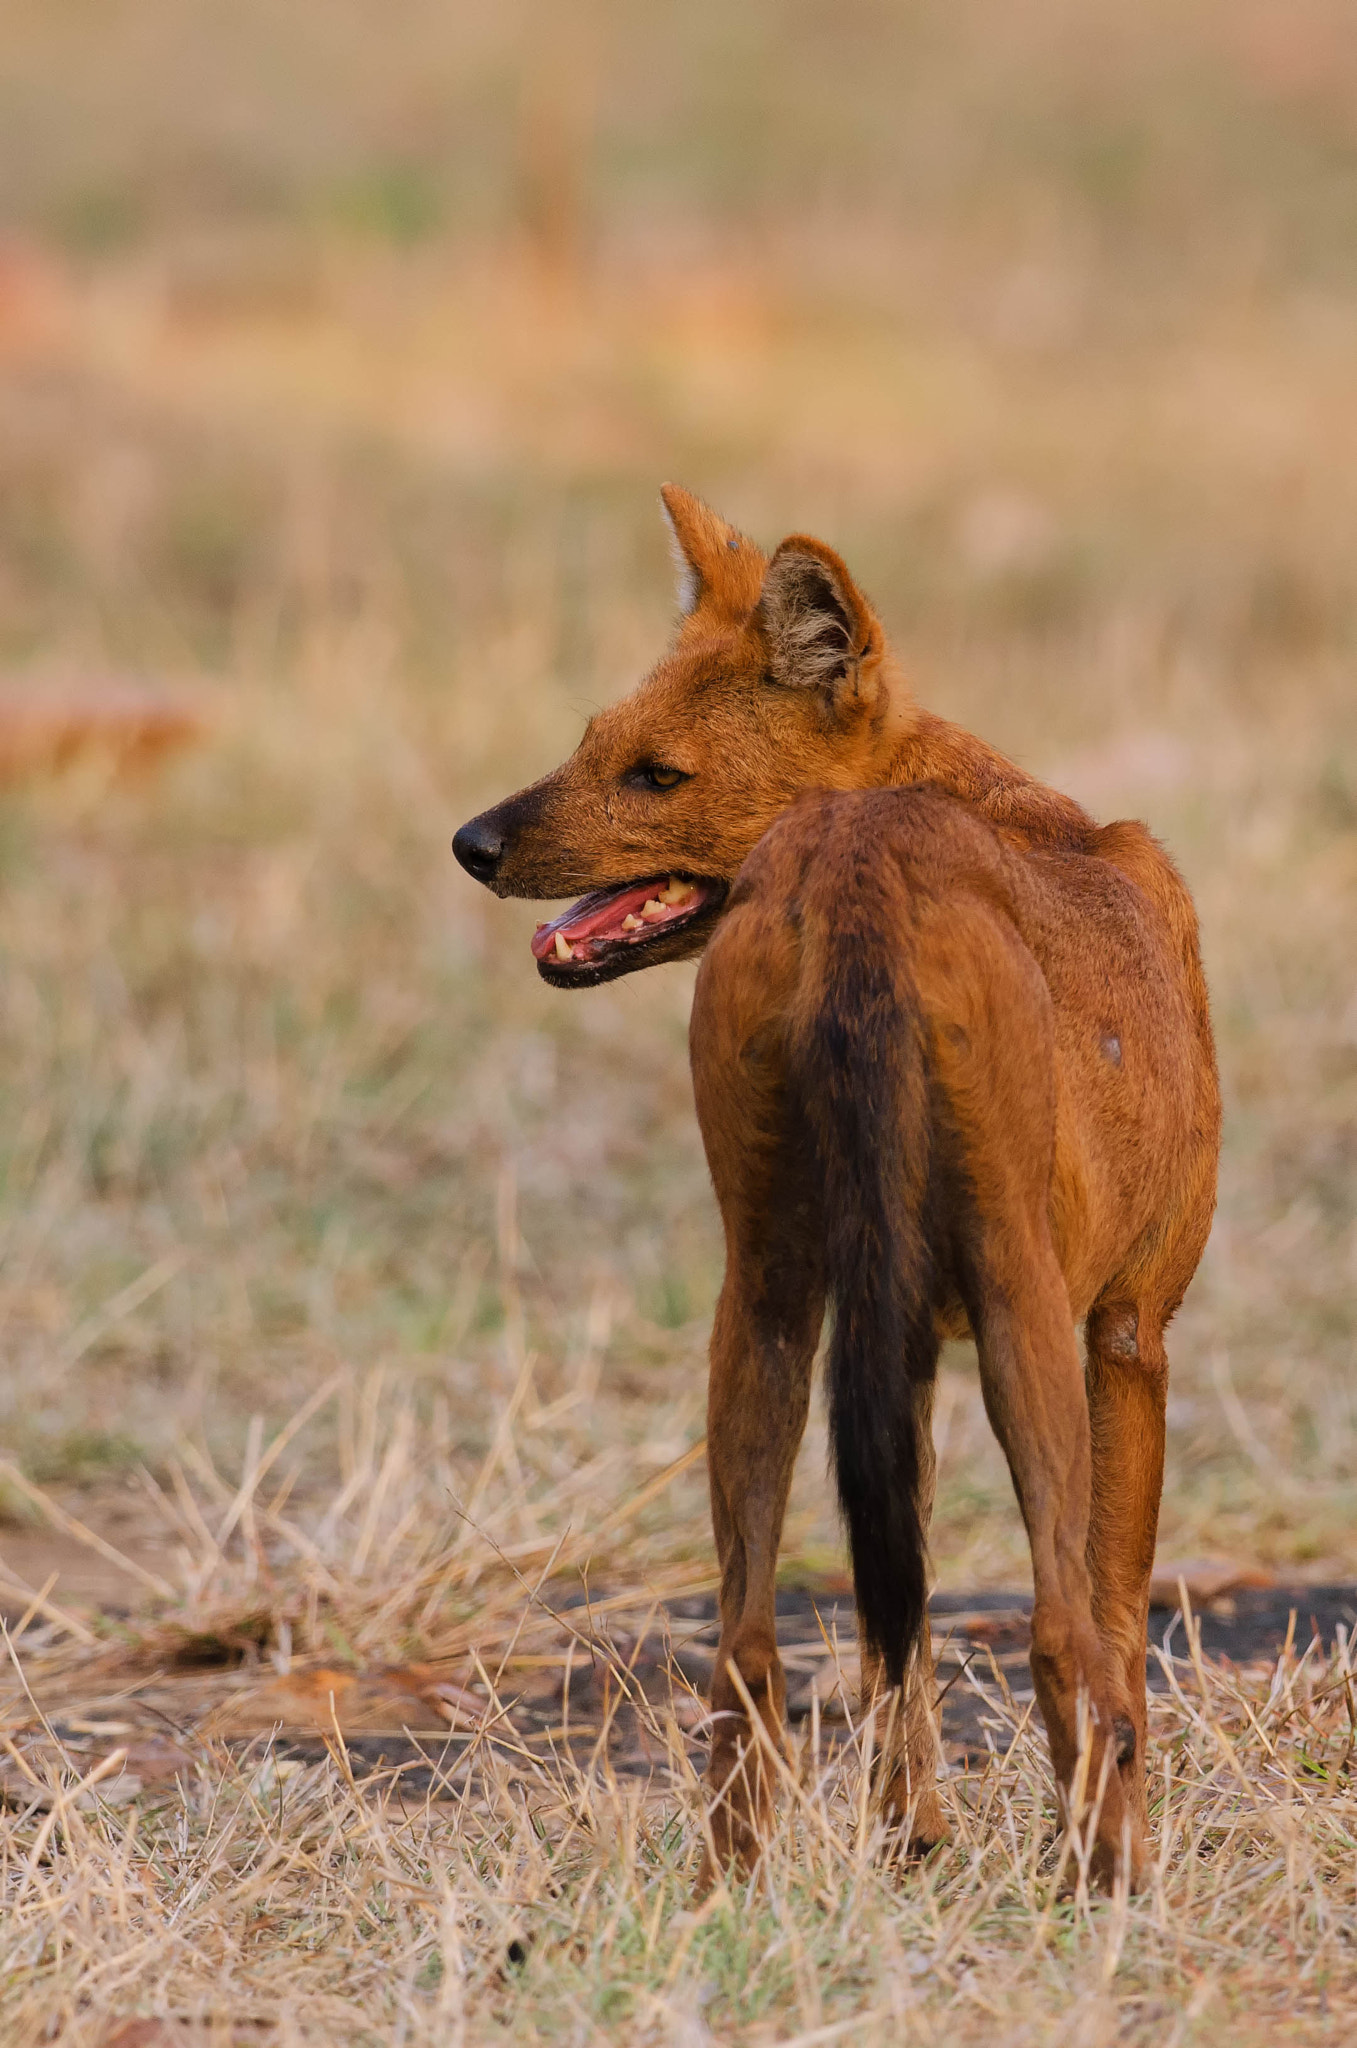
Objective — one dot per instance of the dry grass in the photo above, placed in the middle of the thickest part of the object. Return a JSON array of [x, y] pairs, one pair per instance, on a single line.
[[292, 1902], [337, 372], [525, 1889]]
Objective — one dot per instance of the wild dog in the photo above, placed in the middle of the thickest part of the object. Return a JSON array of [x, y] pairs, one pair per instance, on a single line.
[[953, 1066]]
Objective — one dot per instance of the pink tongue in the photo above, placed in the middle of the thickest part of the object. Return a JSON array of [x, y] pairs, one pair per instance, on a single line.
[[607, 918], [603, 920]]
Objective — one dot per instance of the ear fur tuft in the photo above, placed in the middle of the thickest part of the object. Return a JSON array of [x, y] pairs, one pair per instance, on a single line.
[[816, 622]]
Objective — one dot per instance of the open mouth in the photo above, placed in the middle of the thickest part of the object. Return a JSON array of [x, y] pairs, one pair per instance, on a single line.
[[636, 924]]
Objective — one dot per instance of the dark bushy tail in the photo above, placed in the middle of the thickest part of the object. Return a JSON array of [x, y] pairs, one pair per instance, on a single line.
[[859, 1061]]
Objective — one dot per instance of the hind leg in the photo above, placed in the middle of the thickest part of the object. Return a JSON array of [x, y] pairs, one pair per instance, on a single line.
[[994, 1059], [1127, 1380], [1034, 1395], [907, 1728]]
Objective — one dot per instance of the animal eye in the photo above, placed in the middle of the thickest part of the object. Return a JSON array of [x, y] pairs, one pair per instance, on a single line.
[[655, 776]]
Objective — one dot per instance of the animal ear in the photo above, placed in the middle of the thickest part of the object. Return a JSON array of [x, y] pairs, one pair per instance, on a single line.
[[715, 562], [818, 626]]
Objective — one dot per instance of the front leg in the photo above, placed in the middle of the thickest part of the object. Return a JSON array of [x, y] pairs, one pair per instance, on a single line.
[[763, 1342], [763, 1346]]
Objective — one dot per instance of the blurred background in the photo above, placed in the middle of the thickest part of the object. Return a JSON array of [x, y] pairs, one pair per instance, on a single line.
[[343, 348]]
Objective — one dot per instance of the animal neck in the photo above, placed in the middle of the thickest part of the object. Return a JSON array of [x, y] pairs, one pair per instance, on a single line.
[[936, 751], [915, 746]]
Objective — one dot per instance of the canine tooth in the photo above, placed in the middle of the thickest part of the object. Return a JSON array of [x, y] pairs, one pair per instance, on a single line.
[[631, 923], [564, 950]]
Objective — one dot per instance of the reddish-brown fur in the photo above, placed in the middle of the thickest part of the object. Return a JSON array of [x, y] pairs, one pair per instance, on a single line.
[[954, 1071]]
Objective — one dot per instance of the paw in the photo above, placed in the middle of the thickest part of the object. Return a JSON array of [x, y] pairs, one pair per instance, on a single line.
[[1107, 1862], [916, 1827], [740, 1817]]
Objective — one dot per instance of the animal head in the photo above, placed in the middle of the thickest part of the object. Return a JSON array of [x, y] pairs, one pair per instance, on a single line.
[[777, 682]]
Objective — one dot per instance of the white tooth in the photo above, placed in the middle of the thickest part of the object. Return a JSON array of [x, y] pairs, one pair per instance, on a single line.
[[630, 923], [564, 951], [652, 910], [677, 891]]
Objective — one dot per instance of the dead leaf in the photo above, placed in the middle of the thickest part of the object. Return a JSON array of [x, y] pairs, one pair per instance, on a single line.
[[387, 1701], [184, 2033], [32, 1772]]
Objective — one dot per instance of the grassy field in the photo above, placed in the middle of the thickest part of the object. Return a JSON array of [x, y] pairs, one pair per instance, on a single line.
[[341, 356]]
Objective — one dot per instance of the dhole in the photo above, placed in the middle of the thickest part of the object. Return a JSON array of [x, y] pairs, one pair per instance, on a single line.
[[953, 1065]]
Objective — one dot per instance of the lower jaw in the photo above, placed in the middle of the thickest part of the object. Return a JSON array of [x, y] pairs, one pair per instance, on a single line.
[[585, 977]]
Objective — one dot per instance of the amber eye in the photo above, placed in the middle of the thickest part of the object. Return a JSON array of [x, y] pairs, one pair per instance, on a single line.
[[655, 776]]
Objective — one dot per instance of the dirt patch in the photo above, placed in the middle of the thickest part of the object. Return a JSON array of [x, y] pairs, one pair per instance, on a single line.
[[74, 1576], [620, 1693]]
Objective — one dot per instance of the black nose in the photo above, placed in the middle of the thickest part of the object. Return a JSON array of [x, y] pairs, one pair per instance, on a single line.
[[479, 847]]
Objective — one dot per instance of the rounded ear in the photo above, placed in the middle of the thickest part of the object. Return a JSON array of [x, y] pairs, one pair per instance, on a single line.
[[818, 626], [715, 562]]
